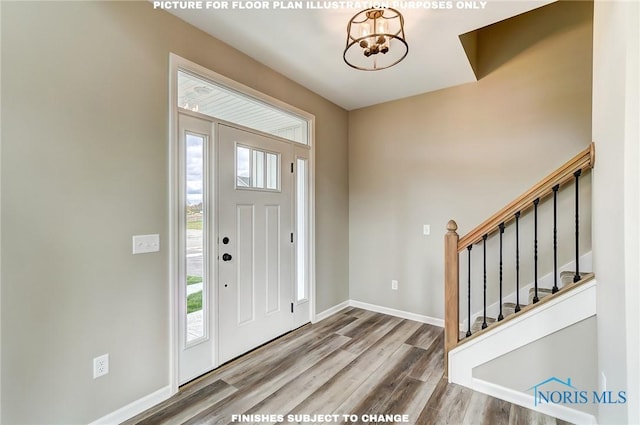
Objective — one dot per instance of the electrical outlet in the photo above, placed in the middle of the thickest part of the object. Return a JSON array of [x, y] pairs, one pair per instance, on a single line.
[[394, 285], [100, 366]]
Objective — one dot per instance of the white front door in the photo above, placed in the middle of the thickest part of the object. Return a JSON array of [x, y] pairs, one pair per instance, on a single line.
[[255, 240]]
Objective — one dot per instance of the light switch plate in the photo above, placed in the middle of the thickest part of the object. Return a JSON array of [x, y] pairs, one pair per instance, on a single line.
[[426, 229], [146, 243]]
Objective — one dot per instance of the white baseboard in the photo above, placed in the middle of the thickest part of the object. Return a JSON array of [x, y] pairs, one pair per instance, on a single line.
[[331, 310], [398, 313], [135, 408], [378, 309], [527, 401]]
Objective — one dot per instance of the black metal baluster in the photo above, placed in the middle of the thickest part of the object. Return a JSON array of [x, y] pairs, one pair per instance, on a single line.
[[500, 316], [469, 294], [555, 239], [577, 275], [535, 249], [484, 290], [517, 309]]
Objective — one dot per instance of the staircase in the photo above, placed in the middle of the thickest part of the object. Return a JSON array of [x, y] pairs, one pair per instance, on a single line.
[[508, 308], [569, 299]]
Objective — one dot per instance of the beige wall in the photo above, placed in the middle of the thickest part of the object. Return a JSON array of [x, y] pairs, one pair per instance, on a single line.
[[464, 152], [84, 167]]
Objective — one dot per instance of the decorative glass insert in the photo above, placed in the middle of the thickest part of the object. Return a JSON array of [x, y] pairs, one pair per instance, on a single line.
[[243, 174], [272, 171], [257, 169]]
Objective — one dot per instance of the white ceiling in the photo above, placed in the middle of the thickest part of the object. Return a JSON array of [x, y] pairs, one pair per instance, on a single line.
[[306, 45]]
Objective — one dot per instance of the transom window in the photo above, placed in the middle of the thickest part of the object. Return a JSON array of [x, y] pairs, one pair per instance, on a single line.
[[257, 169], [198, 95]]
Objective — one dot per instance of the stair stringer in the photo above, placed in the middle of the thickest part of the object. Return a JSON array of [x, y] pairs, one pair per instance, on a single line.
[[562, 311]]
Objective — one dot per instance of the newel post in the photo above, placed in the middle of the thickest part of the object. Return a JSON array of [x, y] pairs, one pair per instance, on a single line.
[[451, 291]]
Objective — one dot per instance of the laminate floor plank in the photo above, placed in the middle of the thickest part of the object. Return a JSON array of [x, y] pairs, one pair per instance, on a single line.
[[360, 327], [255, 358], [285, 359], [345, 320], [350, 310], [359, 344], [432, 365], [367, 391], [487, 410], [182, 406], [447, 405], [476, 410], [247, 370], [301, 387], [379, 397], [424, 336], [496, 411], [333, 393], [519, 415], [191, 406], [417, 395], [360, 312], [267, 381], [355, 362]]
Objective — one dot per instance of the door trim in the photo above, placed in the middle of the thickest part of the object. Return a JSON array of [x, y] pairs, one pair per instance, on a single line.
[[175, 63]]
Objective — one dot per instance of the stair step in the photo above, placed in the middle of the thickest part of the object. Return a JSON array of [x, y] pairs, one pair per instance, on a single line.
[[477, 324], [510, 308], [566, 277], [542, 292]]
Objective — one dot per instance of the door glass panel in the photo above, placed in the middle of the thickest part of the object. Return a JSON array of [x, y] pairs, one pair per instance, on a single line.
[[258, 169], [243, 177], [302, 228], [272, 171], [194, 216]]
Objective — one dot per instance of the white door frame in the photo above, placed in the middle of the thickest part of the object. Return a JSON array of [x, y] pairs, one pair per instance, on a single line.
[[175, 63]]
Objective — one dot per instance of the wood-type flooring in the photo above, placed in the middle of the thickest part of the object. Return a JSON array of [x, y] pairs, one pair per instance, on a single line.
[[371, 367]]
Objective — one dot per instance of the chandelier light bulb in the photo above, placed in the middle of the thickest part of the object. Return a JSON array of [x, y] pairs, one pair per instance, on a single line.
[[375, 39]]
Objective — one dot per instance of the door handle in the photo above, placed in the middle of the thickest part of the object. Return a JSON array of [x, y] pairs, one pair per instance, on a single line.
[[226, 257]]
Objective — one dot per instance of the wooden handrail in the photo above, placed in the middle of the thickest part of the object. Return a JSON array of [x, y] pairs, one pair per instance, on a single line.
[[583, 161], [453, 244]]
